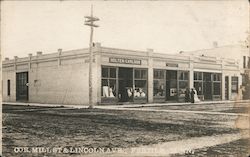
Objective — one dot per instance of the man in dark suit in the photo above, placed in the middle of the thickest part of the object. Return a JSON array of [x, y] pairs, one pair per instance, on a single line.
[[192, 95]]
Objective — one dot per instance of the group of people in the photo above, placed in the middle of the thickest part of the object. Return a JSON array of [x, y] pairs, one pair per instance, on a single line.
[[137, 92], [191, 96]]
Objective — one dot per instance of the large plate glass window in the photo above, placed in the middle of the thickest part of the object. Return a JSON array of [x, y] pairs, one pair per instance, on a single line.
[[183, 82], [198, 82], [109, 82], [217, 84], [140, 83], [159, 83], [234, 84]]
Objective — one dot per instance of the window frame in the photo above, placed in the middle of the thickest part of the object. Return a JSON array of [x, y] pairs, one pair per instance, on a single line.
[[160, 80], [109, 79]]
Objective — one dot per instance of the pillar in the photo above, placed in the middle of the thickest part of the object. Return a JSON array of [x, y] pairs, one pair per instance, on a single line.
[[223, 94], [97, 73], [230, 87], [191, 72], [150, 75]]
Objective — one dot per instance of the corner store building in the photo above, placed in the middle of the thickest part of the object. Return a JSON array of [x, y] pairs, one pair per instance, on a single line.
[[62, 77]]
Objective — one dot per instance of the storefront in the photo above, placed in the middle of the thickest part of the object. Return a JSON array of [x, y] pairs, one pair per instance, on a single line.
[[170, 85], [208, 85], [119, 76], [121, 84]]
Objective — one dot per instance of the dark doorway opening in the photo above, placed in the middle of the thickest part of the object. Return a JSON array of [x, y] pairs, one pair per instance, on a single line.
[[207, 89], [171, 85], [125, 76], [227, 88], [22, 90]]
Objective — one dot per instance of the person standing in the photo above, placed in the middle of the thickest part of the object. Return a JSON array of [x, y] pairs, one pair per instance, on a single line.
[[187, 95], [192, 95]]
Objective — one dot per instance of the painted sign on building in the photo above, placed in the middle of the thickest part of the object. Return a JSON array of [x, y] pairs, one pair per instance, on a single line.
[[125, 61], [171, 65]]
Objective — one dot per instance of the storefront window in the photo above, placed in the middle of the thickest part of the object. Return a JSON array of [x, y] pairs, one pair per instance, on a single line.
[[183, 75], [234, 84], [140, 83], [198, 82], [217, 88], [108, 82], [105, 72], [183, 82], [216, 77], [198, 76], [217, 84], [159, 83], [112, 72], [198, 87]]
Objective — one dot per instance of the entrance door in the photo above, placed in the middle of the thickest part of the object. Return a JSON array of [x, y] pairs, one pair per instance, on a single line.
[[207, 90], [125, 76], [171, 85], [22, 90], [226, 88]]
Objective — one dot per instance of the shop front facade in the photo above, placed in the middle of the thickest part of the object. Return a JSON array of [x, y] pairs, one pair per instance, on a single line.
[[119, 76], [148, 77]]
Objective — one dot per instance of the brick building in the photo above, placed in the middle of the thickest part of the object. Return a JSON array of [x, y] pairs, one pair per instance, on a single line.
[[240, 53], [119, 76]]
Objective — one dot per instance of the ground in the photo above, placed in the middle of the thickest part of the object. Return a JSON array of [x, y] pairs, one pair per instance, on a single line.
[[60, 127]]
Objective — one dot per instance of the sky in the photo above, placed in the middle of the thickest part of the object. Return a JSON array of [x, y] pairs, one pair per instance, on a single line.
[[165, 26]]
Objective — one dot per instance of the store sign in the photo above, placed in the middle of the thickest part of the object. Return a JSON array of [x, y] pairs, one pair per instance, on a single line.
[[171, 65], [125, 61]]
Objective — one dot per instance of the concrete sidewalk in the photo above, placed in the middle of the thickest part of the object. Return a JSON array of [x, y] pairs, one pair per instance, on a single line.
[[124, 106]]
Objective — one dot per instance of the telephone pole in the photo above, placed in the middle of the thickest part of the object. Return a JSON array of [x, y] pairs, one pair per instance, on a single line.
[[89, 21]]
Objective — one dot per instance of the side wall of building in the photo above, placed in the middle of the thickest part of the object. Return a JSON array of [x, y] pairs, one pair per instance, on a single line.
[[9, 74], [52, 80]]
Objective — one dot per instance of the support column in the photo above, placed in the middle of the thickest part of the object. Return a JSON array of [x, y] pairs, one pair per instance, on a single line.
[[30, 58], [239, 85], [230, 87], [223, 94], [191, 72], [15, 71], [223, 87], [97, 74], [150, 75]]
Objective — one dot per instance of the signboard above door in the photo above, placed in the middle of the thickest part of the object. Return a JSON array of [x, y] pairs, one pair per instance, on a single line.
[[125, 61], [171, 65]]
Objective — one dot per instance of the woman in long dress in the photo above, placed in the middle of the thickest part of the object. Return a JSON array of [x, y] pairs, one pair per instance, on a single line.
[[196, 99]]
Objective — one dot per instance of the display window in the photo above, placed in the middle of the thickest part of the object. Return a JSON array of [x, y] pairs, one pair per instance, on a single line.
[[140, 83], [234, 84], [198, 76], [198, 82], [183, 82], [159, 83], [216, 84], [109, 81]]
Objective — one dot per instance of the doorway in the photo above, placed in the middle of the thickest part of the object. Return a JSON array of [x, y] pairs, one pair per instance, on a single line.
[[171, 85], [207, 90], [227, 88], [22, 90], [125, 77]]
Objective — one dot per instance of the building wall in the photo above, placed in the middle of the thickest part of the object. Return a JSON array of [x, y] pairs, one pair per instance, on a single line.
[[60, 85], [56, 80], [233, 52], [9, 74], [62, 78]]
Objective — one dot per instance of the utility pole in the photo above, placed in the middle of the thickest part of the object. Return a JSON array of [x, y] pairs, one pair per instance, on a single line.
[[89, 21]]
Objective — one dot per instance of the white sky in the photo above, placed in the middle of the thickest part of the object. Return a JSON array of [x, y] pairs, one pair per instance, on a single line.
[[165, 26]]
